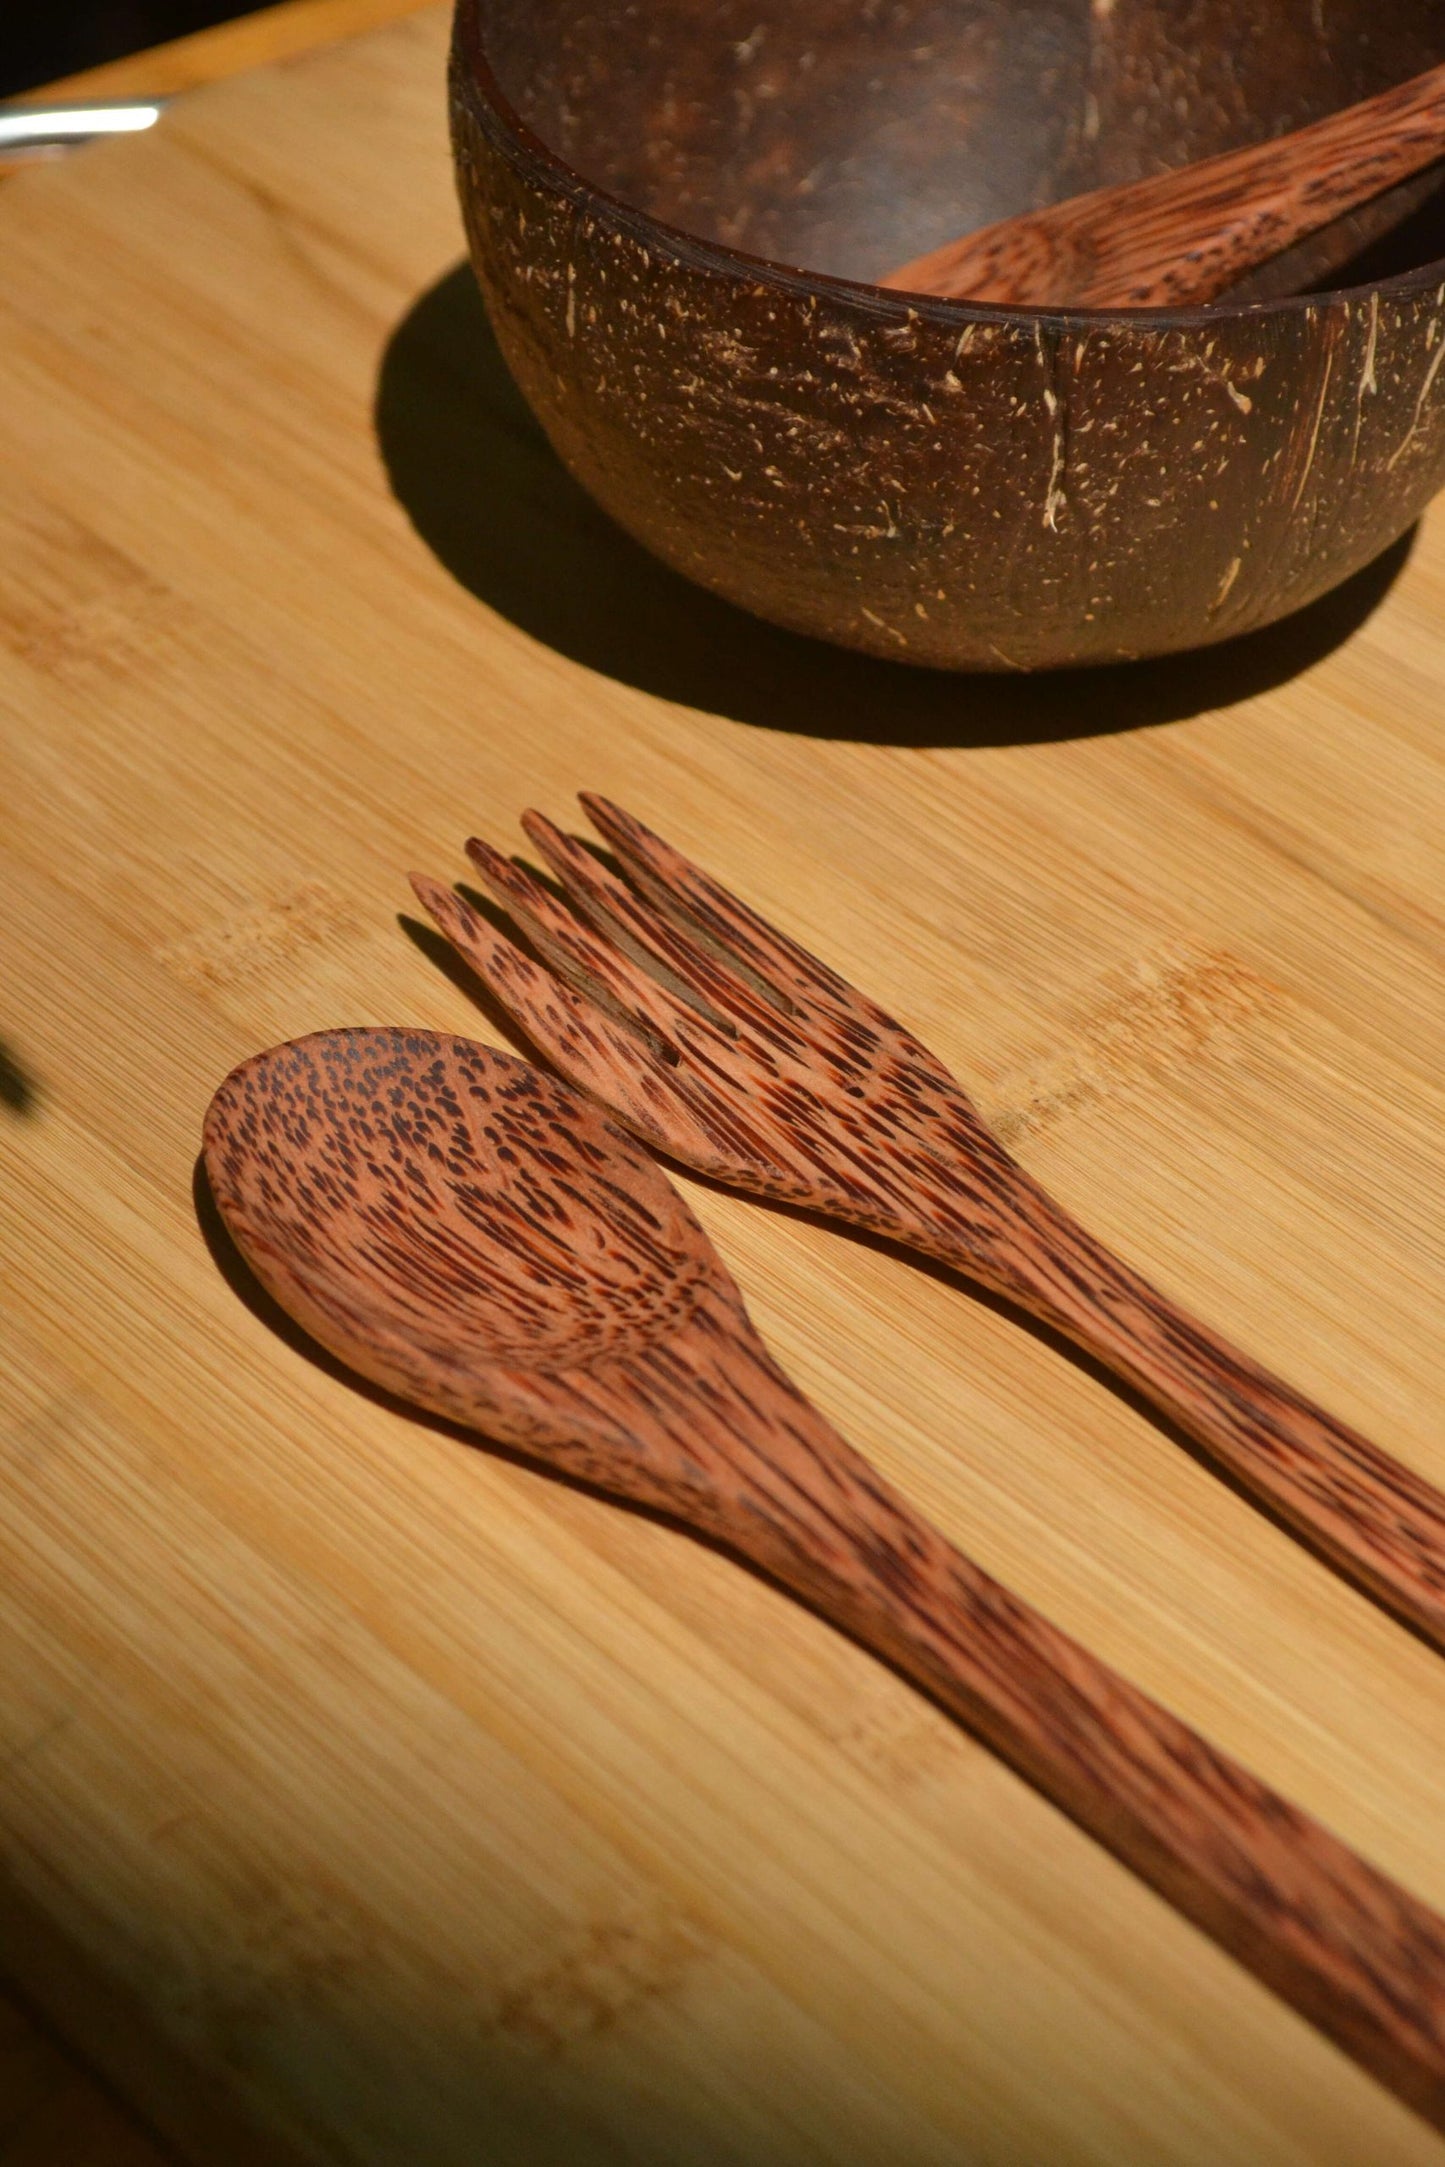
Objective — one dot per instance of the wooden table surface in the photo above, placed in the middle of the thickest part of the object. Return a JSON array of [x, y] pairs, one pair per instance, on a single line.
[[53, 2112], [365, 1796], [260, 39]]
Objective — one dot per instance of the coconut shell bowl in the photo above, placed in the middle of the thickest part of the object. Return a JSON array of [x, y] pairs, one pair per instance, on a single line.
[[676, 212]]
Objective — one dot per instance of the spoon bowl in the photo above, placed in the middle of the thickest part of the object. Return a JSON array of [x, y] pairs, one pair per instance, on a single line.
[[474, 1235], [457, 1226]]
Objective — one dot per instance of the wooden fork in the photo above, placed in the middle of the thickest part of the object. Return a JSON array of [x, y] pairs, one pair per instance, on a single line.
[[723, 1043]]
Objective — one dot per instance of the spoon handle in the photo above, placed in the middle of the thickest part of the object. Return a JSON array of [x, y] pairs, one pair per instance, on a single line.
[[1350, 1950], [1185, 236], [1378, 1523]]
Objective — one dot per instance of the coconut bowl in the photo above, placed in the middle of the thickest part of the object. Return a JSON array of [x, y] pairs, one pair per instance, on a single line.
[[676, 211]]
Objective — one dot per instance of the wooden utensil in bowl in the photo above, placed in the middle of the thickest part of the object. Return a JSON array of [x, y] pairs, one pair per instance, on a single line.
[[471, 1233], [1182, 237]]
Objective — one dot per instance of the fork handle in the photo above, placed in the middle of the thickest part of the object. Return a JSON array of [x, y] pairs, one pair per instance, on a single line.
[[1352, 1951], [1379, 1523]]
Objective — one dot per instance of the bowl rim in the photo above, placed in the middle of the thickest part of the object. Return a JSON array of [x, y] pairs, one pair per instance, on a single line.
[[472, 76]]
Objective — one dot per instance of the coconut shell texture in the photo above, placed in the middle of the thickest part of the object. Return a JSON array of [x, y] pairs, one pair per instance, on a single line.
[[674, 215]]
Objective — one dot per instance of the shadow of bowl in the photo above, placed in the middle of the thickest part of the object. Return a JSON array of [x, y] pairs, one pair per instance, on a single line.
[[475, 473]]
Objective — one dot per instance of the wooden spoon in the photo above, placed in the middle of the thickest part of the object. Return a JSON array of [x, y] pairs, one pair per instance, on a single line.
[[1185, 236], [473, 1234]]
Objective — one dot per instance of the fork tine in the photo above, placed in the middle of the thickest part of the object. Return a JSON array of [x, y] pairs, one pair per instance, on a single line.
[[592, 967], [710, 912], [659, 944], [523, 987], [617, 1061]]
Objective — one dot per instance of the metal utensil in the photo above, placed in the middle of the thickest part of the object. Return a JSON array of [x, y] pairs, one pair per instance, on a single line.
[[48, 131]]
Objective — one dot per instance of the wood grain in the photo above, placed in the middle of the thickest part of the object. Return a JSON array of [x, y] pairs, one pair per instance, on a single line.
[[723, 1043], [260, 39], [392, 1788], [268, 36], [51, 2108], [53, 2113], [466, 1231], [1174, 239]]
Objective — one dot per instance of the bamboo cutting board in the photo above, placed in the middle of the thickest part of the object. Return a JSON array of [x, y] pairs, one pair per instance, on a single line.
[[367, 1797]]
